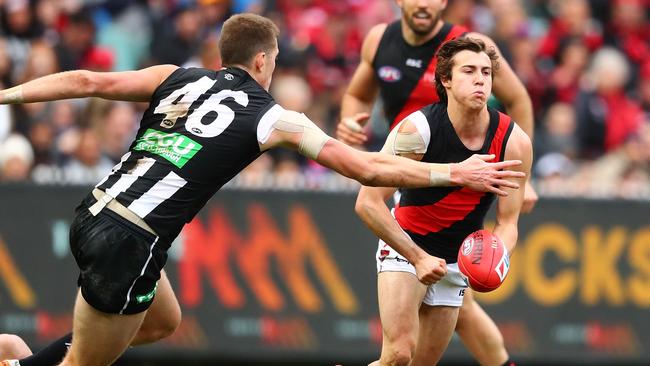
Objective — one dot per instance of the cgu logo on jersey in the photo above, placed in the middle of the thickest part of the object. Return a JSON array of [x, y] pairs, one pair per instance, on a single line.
[[176, 148], [389, 74]]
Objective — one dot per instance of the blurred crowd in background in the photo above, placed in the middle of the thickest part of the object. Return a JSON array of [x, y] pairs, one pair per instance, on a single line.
[[585, 63]]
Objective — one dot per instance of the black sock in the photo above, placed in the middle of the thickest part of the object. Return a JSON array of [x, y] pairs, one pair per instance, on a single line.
[[507, 363], [50, 355], [53, 354]]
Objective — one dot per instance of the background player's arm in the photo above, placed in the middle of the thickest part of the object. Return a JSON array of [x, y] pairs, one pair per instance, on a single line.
[[373, 211], [361, 92], [296, 131], [509, 207], [136, 86]]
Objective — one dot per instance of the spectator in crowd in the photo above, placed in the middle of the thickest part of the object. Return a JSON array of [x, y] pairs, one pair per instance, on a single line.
[[548, 44], [174, 43], [88, 164], [573, 19], [16, 159], [606, 116], [77, 41], [558, 132]]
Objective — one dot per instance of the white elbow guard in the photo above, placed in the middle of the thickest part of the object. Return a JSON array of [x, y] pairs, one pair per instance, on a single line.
[[313, 138]]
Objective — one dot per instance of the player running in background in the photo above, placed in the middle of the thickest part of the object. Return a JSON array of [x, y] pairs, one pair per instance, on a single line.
[[201, 128], [398, 62], [420, 288]]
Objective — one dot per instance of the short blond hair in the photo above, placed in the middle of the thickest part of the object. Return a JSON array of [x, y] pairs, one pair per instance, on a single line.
[[245, 35]]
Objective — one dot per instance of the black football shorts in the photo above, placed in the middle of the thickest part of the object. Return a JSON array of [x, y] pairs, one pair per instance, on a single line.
[[119, 262]]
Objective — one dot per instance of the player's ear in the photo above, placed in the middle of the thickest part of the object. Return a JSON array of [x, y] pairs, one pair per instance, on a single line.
[[446, 82], [259, 61]]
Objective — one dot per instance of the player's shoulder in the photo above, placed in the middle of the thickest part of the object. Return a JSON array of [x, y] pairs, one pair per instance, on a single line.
[[434, 111], [372, 40], [376, 32], [519, 144]]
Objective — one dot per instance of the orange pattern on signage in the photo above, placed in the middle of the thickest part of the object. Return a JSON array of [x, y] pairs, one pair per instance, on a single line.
[[219, 248]]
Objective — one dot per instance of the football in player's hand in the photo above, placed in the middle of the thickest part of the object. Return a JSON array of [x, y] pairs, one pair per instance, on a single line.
[[483, 259]]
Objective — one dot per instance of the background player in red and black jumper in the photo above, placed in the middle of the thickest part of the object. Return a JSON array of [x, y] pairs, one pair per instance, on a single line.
[[201, 128], [398, 62], [420, 288]]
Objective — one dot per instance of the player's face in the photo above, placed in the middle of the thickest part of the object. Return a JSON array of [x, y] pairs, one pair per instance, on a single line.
[[471, 79], [421, 16], [269, 67]]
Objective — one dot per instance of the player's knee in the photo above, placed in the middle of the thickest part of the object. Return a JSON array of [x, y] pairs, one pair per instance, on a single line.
[[13, 347], [400, 354], [172, 322], [398, 357]]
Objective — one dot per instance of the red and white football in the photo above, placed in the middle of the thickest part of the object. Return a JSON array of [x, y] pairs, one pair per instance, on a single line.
[[483, 259]]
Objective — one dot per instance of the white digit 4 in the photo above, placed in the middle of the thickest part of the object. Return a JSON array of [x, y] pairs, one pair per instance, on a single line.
[[174, 108]]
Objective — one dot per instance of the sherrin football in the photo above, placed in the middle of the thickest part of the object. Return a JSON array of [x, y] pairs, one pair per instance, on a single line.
[[483, 259]]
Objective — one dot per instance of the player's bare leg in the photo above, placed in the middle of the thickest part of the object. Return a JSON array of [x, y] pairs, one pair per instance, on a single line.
[[12, 347], [400, 296], [99, 338], [437, 325], [163, 316], [479, 333]]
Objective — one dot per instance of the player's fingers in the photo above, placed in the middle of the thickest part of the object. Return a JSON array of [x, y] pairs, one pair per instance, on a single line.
[[485, 157], [350, 138], [505, 183], [359, 138], [352, 124], [362, 117], [506, 164], [497, 191], [509, 174]]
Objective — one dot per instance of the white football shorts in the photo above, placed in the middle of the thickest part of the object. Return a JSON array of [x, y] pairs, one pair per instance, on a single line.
[[449, 291]]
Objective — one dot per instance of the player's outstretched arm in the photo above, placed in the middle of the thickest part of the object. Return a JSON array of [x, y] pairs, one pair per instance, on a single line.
[[509, 207], [137, 86], [295, 130]]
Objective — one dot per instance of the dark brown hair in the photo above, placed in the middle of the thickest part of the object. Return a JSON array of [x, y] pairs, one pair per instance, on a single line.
[[245, 35], [446, 55]]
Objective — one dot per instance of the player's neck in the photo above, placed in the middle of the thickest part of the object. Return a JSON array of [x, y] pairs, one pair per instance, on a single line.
[[469, 123], [415, 39]]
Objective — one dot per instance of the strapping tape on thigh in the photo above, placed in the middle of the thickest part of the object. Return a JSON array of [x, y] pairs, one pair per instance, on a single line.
[[98, 206]]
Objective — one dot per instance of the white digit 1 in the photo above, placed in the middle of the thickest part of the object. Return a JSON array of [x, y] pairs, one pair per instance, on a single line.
[[174, 108], [224, 117]]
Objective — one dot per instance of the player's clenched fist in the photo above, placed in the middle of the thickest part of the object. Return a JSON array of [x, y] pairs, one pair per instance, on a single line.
[[430, 269], [350, 129]]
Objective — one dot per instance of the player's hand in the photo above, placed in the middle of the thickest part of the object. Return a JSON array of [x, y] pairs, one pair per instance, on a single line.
[[477, 174], [430, 269], [530, 198], [350, 129]]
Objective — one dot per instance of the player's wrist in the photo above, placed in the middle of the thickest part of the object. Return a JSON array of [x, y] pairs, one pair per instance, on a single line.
[[440, 175], [12, 95]]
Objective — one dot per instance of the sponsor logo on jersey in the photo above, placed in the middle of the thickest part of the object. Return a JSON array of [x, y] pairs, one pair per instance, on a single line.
[[229, 77], [176, 148], [414, 63], [389, 74]]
